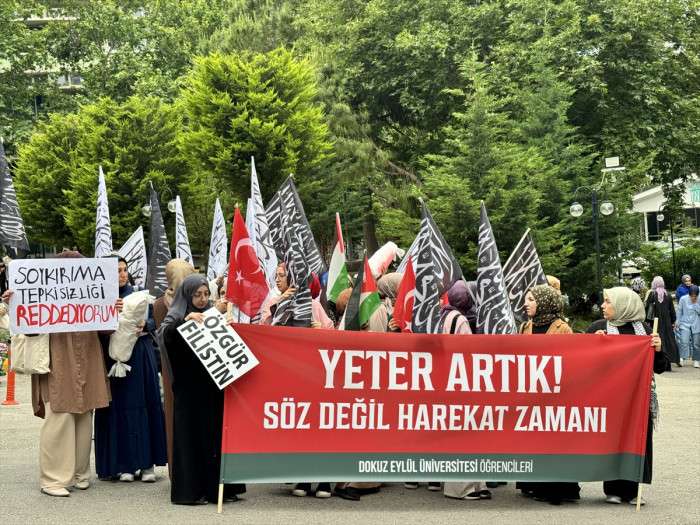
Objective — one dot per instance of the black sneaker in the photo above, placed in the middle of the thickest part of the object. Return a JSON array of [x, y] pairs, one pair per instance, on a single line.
[[484, 494], [347, 493]]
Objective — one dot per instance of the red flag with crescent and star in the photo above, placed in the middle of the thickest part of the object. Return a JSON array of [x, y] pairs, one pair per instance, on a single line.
[[247, 286], [403, 308]]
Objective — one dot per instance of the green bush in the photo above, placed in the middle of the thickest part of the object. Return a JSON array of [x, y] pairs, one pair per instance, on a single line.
[[653, 261]]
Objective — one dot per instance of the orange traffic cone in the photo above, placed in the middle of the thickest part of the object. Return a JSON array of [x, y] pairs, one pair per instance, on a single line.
[[10, 394]]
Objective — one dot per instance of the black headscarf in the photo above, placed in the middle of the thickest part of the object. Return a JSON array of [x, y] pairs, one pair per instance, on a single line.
[[182, 302]]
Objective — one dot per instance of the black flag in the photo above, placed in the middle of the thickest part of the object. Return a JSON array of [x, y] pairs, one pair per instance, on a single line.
[[493, 314], [159, 250], [291, 204], [434, 271], [12, 234], [447, 269], [522, 271], [295, 310]]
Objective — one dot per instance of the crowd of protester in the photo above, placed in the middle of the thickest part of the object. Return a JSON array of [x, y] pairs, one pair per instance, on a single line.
[[136, 429]]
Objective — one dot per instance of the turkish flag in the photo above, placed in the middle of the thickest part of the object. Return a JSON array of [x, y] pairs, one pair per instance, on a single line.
[[246, 286], [403, 307]]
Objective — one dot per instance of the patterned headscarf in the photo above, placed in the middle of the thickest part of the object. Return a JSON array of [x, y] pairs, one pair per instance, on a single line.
[[627, 304], [659, 287], [549, 304]]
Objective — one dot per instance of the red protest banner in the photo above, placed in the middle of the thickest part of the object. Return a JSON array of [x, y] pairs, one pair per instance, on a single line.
[[325, 405]]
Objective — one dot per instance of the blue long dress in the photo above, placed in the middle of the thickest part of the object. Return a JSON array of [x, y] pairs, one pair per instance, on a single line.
[[130, 432]]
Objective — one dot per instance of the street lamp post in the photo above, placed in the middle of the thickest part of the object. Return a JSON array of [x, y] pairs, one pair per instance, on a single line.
[[605, 208], [146, 209], [660, 218]]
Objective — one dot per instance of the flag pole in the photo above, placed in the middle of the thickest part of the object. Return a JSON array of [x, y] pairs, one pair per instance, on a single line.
[[220, 503], [654, 331]]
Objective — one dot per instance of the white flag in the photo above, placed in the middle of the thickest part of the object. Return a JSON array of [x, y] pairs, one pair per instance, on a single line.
[[217, 247], [182, 243], [103, 228], [134, 251], [259, 229]]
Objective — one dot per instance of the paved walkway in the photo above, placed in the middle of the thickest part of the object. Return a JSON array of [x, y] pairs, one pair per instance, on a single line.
[[673, 498]]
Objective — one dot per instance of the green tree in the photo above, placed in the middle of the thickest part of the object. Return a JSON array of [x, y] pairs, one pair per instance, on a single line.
[[25, 66], [56, 173], [250, 104], [122, 48], [253, 25], [486, 159]]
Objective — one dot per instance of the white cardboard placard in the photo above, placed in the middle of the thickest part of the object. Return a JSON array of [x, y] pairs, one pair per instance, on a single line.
[[219, 348], [63, 295]]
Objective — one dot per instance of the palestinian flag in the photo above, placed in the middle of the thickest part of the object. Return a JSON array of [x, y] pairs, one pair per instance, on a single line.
[[364, 300], [338, 272]]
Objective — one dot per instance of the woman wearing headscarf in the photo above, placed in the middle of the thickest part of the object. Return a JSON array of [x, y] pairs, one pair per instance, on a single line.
[[689, 326], [684, 287], [544, 310], [387, 287], [319, 319], [198, 404], [378, 322], [659, 304], [453, 316], [624, 314], [65, 398], [175, 272], [130, 432], [453, 320]]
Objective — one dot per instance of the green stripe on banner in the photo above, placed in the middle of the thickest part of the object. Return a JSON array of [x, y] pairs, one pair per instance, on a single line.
[[288, 468]]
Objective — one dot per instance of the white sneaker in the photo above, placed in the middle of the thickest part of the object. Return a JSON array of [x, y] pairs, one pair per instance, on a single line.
[[680, 363], [82, 484], [696, 364], [126, 477], [301, 489], [148, 475], [615, 500], [634, 501], [323, 494], [58, 492], [411, 485]]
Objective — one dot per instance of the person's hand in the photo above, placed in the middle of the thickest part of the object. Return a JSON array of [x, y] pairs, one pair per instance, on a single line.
[[392, 325], [119, 305], [289, 292], [6, 296], [656, 342], [600, 332], [315, 324], [197, 317], [140, 326]]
